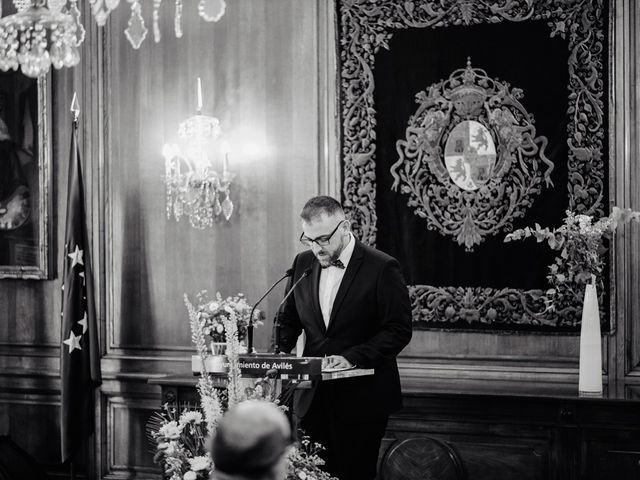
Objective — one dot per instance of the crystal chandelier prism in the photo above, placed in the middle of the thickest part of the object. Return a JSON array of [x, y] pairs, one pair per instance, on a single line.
[[136, 31], [194, 188], [43, 33]]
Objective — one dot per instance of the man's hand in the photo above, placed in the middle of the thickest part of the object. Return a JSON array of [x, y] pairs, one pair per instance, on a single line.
[[335, 361]]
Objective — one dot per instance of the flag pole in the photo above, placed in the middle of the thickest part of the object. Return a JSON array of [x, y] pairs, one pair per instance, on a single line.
[[75, 112]]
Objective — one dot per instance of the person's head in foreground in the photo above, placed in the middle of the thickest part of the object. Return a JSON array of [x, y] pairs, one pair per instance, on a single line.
[[251, 442]]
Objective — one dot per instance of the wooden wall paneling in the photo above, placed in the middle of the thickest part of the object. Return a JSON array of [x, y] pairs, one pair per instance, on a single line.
[[32, 420], [329, 169], [468, 356], [259, 69], [30, 316], [630, 170], [259, 79], [128, 453], [627, 190]]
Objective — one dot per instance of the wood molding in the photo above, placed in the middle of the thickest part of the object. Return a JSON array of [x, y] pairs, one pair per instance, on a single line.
[[625, 346], [631, 234], [329, 171], [111, 404]]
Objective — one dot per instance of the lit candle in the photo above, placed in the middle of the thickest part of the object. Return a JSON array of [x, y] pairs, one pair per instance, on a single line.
[[224, 149], [199, 96]]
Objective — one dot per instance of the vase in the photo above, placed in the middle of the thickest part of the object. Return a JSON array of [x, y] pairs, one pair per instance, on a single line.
[[590, 375], [218, 348]]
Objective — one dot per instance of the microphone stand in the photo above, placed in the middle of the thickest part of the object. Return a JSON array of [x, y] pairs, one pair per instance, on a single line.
[[276, 321], [287, 274]]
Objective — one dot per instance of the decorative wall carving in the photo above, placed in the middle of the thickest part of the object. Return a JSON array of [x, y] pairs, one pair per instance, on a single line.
[[365, 28]]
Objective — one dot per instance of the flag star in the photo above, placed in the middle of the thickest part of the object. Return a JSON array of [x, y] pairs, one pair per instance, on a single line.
[[83, 322], [73, 342], [76, 256], [83, 279]]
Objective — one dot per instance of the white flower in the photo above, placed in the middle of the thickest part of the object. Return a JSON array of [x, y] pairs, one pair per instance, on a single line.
[[190, 475], [171, 448], [212, 411], [213, 306], [584, 221], [220, 328], [170, 430], [200, 463], [302, 475], [190, 416]]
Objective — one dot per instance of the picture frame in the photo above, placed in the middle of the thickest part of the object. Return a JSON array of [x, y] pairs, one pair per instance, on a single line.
[[25, 177]]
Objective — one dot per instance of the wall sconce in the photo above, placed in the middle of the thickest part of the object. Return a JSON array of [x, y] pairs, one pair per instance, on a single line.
[[194, 187]]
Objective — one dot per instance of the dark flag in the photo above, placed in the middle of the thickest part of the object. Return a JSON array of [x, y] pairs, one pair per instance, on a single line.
[[79, 353]]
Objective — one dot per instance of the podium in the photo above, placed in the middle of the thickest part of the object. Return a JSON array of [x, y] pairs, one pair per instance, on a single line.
[[180, 390], [278, 366]]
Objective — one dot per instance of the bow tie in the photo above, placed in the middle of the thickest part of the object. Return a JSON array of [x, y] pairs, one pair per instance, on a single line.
[[336, 263]]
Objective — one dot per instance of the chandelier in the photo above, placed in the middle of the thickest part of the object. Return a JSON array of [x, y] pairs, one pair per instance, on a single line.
[[136, 31], [194, 188], [42, 33]]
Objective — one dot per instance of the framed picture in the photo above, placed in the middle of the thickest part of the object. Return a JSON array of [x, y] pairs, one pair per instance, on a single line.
[[25, 174], [462, 121]]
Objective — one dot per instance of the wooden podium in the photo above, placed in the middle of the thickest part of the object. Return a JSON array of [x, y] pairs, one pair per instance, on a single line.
[[180, 390]]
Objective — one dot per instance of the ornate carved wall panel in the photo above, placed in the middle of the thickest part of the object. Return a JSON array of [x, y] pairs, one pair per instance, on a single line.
[[461, 121]]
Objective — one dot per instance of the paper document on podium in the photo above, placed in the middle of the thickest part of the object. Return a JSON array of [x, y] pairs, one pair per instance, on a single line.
[[336, 369], [346, 373]]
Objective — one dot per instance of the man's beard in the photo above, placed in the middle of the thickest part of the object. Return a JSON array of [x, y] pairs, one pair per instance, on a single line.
[[327, 261]]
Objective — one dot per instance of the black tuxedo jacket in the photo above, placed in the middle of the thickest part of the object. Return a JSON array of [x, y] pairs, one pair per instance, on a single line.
[[370, 324]]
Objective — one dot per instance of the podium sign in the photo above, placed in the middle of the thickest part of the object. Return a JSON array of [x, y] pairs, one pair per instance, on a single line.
[[279, 366], [260, 365]]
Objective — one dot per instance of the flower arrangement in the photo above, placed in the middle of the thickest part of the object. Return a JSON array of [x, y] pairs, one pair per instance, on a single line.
[[305, 462], [181, 439], [181, 444], [580, 242], [214, 313]]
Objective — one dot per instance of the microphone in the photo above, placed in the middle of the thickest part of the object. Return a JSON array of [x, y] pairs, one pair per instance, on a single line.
[[287, 274], [276, 324]]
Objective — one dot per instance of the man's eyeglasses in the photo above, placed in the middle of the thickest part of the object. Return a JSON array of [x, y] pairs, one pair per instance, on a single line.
[[322, 240]]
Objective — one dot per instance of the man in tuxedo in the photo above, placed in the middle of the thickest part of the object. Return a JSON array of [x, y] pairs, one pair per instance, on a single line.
[[354, 309]]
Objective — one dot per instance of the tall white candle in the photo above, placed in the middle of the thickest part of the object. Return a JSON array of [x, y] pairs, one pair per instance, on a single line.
[[199, 95], [225, 163]]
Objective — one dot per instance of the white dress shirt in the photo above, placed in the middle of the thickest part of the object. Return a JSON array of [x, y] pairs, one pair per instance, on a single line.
[[330, 279]]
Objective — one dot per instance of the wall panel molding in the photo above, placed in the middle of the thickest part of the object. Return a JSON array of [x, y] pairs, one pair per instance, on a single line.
[[128, 454]]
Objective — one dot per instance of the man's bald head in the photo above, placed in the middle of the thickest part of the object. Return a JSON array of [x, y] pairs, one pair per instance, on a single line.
[[250, 440]]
